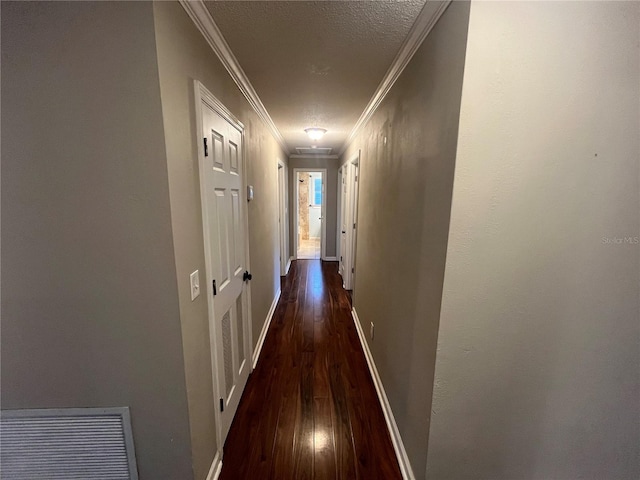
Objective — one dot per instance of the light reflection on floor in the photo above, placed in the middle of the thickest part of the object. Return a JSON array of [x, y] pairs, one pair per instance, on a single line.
[[319, 440], [315, 282], [309, 249]]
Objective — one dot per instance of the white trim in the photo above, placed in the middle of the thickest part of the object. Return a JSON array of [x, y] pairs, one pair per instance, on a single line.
[[339, 251], [286, 270], [203, 21], [202, 95], [216, 467], [218, 106], [330, 259], [283, 215], [323, 209], [311, 157], [396, 439], [427, 18], [265, 328], [350, 171]]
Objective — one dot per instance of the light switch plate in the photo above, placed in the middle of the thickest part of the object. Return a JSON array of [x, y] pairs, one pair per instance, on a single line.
[[194, 280]]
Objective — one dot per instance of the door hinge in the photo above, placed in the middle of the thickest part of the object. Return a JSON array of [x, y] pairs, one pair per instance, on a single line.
[[354, 225], [221, 405], [353, 270], [340, 257], [215, 290], [206, 149]]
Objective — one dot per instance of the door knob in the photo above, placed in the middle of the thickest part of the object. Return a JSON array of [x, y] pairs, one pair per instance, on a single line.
[[246, 276]]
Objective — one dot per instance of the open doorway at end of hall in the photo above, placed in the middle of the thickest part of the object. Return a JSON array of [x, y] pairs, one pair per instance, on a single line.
[[309, 213]]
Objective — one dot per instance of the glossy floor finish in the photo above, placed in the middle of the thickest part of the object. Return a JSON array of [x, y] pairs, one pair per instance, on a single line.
[[310, 409]]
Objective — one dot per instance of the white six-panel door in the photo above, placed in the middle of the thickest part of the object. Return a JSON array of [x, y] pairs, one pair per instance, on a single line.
[[223, 204]]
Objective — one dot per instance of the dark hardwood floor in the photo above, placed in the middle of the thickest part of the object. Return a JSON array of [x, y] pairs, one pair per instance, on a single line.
[[310, 408]]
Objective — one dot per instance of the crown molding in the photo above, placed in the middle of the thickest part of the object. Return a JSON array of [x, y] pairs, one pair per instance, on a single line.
[[311, 157], [427, 18], [203, 21]]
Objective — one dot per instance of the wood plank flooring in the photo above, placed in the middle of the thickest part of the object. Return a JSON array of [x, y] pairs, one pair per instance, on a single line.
[[310, 409]]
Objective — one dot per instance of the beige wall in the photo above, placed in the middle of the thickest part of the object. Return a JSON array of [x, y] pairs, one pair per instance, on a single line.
[[331, 192], [537, 370], [184, 55], [89, 300], [406, 176]]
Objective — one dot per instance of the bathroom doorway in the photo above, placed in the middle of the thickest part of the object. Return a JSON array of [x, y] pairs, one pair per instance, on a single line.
[[310, 213]]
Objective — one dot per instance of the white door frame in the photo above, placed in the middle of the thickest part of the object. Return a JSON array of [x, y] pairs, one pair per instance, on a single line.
[[355, 192], [283, 213], [349, 254], [323, 224], [201, 94], [339, 218]]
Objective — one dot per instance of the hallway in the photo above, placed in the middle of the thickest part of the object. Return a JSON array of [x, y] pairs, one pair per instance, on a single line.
[[310, 409], [480, 189]]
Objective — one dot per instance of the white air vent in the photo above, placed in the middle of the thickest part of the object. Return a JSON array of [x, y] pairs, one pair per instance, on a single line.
[[69, 444], [313, 151]]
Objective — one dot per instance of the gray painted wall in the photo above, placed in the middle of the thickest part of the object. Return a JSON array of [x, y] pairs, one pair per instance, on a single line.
[[331, 192], [184, 55], [406, 177], [537, 369], [90, 312]]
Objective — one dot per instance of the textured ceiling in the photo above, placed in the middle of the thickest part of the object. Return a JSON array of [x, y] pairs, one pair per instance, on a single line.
[[315, 63]]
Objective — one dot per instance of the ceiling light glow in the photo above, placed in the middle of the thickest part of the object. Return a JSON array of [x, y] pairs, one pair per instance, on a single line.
[[315, 133]]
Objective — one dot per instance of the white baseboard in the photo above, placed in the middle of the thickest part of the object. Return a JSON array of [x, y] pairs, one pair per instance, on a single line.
[[286, 269], [398, 445], [330, 259], [265, 328], [216, 467]]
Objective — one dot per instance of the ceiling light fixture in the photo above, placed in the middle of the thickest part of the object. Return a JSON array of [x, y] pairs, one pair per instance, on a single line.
[[315, 133]]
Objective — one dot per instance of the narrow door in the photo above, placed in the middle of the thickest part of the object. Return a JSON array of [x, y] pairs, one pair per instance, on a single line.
[[353, 223], [339, 221], [350, 172], [344, 201], [223, 215], [282, 218]]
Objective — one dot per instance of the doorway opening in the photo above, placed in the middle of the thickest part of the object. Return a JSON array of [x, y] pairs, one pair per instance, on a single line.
[[309, 213]]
